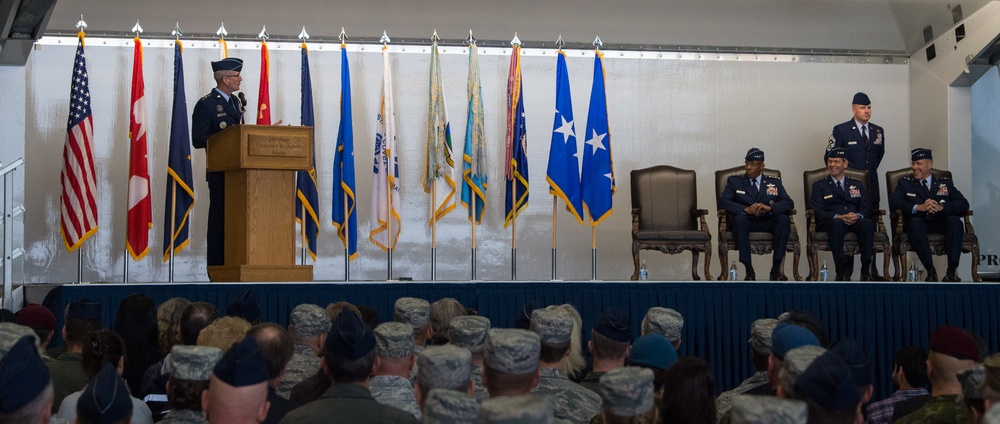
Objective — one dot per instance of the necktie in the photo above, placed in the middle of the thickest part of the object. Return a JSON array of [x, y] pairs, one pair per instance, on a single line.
[[864, 133], [840, 187], [753, 186], [927, 188]]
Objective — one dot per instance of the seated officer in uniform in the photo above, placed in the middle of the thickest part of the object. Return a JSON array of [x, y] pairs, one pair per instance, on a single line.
[[931, 205], [758, 203], [841, 206]]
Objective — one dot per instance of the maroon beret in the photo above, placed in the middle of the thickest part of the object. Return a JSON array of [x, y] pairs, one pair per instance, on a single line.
[[955, 342], [37, 317]]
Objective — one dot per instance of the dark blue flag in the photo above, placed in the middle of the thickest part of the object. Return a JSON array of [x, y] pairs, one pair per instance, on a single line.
[[598, 176], [345, 217], [306, 198], [563, 172], [180, 195]]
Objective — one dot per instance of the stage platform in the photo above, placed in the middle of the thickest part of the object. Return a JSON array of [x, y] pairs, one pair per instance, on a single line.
[[717, 315]]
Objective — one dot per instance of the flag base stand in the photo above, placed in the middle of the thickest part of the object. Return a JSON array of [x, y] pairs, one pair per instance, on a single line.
[[260, 273]]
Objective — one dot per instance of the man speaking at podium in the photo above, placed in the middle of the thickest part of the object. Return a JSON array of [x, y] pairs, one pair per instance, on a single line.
[[215, 112]]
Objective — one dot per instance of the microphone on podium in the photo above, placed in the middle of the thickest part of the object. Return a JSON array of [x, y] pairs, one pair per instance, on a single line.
[[243, 107]]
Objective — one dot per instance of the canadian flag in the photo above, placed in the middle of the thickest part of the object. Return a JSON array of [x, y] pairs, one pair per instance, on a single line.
[[140, 214]]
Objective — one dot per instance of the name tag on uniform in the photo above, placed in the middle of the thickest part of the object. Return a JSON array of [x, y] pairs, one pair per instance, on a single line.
[[911, 194], [828, 196], [851, 143], [740, 192]]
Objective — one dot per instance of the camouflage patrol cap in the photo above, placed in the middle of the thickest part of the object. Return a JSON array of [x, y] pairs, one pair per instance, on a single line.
[[193, 362], [665, 321], [444, 406], [760, 335], [795, 363], [444, 367], [513, 351], [309, 321], [394, 339], [470, 332], [413, 311], [10, 333], [552, 325], [752, 409], [627, 391], [973, 381], [524, 409]]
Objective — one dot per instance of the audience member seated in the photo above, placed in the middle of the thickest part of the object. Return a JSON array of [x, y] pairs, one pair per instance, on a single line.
[[82, 317], [760, 351], [441, 313], [511, 364], [276, 347], [655, 352], [573, 403], [391, 384], [223, 333], [609, 344], [909, 377], [40, 319], [308, 326], [951, 350], [25, 386], [470, 332], [444, 406], [190, 371], [168, 316], [136, 323], [237, 392], [665, 321]]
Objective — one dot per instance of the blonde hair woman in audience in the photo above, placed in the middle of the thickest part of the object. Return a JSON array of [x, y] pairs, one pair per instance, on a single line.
[[441, 313], [574, 364], [168, 317], [223, 333]]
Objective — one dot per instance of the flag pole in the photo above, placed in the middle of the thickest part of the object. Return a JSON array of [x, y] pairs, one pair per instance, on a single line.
[[555, 204], [513, 230], [473, 204], [593, 250], [302, 233], [434, 230], [347, 243], [79, 265], [173, 225]]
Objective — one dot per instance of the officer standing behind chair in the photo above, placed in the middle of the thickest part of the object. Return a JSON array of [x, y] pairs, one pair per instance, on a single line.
[[758, 203], [931, 205], [215, 112], [863, 140], [841, 206]]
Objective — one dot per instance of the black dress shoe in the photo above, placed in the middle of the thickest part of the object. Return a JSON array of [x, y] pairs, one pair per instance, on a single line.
[[842, 277], [950, 277], [931, 277], [776, 276], [750, 275], [867, 276]]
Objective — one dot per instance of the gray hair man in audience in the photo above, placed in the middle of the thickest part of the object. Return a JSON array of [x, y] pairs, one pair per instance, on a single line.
[[511, 364], [190, 371], [443, 367], [762, 409], [471, 332], [276, 347], [572, 402], [308, 327], [665, 321], [522, 409], [760, 351], [444, 406], [237, 392], [628, 396], [25, 387], [391, 384], [610, 341]]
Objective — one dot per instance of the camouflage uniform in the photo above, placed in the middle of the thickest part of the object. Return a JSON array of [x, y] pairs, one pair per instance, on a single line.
[[942, 409], [450, 407], [184, 416], [724, 402], [304, 364], [479, 390], [395, 391], [307, 322], [572, 401], [471, 333], [749, 409], [628, 392], [524, 409]]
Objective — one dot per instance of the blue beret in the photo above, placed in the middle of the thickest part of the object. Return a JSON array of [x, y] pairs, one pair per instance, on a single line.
[[615, 325], [754, 154], [23, 375], [245, 306], [837, 152], [105, 400], [653, 350], [228, 64], [920, 153], [855, 356], [861, 99], [242, 365], [84, 309], [786, 337], [349, 337], [828, 382]]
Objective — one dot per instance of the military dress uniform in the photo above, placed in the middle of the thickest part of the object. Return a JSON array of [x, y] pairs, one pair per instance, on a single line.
[[909, 193], [862, 152], [828, 200]]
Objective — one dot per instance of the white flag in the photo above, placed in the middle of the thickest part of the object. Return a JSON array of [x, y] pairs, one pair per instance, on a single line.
[[385, 186]]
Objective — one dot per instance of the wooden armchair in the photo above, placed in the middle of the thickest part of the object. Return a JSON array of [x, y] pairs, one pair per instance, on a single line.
[[901, 242], [760, 243], [665, 216], [818, 240]]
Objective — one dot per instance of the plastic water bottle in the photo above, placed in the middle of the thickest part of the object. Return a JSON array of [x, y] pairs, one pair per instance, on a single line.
[[824, 273], [643, 272], [732, 271], [911, 276]]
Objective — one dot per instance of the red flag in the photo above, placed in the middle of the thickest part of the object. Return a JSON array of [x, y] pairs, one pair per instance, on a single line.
[[140, 214], [78, 202], [264, 94]]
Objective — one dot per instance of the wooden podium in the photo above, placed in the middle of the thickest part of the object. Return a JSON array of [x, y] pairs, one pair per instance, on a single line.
[[259, 162]]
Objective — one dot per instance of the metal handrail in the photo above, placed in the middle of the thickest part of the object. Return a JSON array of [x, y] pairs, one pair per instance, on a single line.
[[7, 169], [7, 222]]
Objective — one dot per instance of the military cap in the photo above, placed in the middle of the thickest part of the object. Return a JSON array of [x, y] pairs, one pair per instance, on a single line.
[[309, 320], [242, 365], [23, 376], [795, 363], [920, 153], [192, 362], [228, 64], [653, 350], [105, 399], [349, 337], [84, 309], [470, 332], [992, 416], [759, 409], [10, 333], [513, 351], [37, 317], [828, 382], [524, 409], [245, 306], [955, 342], [760, 335], [855, 356], [861, 99], [665, 321], [443, 406], [445, 367], [837, 152], [413, 311], [627, 391], [754, 154], [973, 380], [786, 337], [552, 325], [394, 339], [615, 325]]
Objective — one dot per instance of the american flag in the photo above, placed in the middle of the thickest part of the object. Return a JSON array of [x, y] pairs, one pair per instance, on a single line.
[[79, 188]]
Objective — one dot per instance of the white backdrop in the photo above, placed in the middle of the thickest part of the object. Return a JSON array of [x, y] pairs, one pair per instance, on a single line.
[[700, 114]]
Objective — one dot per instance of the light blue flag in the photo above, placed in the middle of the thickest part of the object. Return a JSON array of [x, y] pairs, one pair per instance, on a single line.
[[474, 178], [306, 196], [345, 217], [598, 176], [563, 173]]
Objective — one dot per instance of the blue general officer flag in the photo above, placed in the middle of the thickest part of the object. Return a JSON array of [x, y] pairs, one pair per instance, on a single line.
[[306, 198], [345, 218], [598, 166], [517, 160], [180, 196], [563, 173]]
